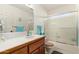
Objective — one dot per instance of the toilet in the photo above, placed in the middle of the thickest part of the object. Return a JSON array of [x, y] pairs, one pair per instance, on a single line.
[[49, 46]]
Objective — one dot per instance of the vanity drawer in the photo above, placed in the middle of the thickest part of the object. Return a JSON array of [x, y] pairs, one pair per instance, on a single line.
[[35, 45]]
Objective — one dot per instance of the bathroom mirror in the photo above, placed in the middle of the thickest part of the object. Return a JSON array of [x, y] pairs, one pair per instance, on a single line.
[[15, 18]]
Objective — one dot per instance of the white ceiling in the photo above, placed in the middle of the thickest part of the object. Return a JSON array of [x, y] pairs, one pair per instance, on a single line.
[[51, 7]]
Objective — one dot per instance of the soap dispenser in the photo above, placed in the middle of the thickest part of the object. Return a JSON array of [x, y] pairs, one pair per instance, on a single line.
[[20, 26]]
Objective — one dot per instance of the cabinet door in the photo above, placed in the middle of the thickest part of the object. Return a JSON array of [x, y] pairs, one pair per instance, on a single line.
[[23, 50], [42, 50], [35, 45], [36, 51]]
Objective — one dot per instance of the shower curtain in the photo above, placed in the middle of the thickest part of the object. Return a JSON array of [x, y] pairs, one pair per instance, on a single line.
[[63, 28]]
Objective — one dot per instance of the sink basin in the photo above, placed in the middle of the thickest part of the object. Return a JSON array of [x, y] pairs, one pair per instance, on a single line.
[[12, 35]]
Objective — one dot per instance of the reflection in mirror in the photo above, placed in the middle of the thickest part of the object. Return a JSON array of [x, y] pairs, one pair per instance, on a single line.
[[15, 18], [0, 26]]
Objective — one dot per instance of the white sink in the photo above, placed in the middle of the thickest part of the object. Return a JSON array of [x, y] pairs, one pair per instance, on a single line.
[[6, 36]]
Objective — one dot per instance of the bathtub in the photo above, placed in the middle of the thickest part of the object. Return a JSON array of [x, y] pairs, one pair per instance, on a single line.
[[64, 48]]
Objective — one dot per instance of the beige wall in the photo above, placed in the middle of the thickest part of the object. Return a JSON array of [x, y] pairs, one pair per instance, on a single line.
[[40, 16]]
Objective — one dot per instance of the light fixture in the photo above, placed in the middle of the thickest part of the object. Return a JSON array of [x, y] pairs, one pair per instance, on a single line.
[[63, 15]]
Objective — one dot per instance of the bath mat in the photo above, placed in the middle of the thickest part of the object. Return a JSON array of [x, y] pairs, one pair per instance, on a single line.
[[56, 52]]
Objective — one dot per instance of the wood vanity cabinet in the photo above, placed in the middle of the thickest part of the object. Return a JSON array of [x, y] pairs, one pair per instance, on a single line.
[[33, 47], [21, 51], [37, 47]]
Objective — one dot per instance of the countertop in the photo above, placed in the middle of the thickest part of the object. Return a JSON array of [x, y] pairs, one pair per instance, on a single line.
[[10, 43]]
